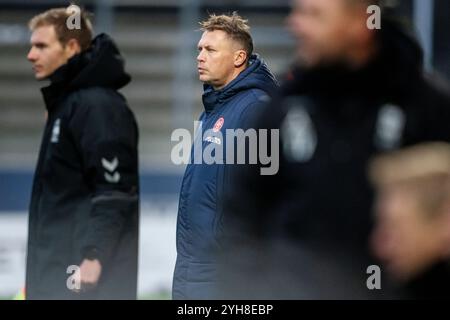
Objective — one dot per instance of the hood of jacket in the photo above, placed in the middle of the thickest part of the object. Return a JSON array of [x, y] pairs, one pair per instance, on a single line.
[[99, 66], [256, 76]]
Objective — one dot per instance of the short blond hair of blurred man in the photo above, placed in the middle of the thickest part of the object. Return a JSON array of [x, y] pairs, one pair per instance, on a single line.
[[412, 228]]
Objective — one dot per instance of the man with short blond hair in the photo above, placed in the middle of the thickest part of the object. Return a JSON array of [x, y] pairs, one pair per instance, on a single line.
[[235, 27], [236, 82]]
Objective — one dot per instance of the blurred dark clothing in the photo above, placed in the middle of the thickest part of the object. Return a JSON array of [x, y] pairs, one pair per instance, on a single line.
[[304, 232], [199, 224], [431, 284], [86, 189]]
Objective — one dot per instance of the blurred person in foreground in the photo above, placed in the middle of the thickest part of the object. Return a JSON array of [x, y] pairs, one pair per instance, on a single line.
[[83, 218], [412, 222], [236, 83], [354, 92]]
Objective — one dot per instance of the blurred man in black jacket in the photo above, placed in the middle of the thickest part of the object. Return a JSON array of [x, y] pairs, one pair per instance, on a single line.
[[83, 220], [355, 92]]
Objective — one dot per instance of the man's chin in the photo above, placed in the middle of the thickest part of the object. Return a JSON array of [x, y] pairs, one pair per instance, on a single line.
[[203, 79], [307, 61], [40, 77]]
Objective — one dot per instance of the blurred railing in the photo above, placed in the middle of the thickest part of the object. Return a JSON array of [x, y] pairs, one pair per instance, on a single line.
[[158, 40]]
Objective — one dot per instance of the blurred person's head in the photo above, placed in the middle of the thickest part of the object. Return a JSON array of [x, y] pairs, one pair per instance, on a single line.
[[412, 229], [332, 31], [224, 49], [53, 43]]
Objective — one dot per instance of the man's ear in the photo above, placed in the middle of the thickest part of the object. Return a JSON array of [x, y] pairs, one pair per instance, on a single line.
[[72, 48], [240, 58]]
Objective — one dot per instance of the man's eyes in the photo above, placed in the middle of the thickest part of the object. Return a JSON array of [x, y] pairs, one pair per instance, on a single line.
[[207, 49]]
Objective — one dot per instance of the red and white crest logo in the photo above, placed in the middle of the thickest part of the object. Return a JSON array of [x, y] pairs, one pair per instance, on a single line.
[[219, 124]]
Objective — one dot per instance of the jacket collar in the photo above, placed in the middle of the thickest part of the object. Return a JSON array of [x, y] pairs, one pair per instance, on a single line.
[[100, 65], [213, 98]]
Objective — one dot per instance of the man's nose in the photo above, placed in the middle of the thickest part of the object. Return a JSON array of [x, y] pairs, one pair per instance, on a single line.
[[289, 21], [200, 57], [32, 55], [294, 23]]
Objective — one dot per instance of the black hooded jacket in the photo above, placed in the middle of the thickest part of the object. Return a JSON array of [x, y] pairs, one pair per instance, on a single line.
[[304, 232], [85, 193]]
